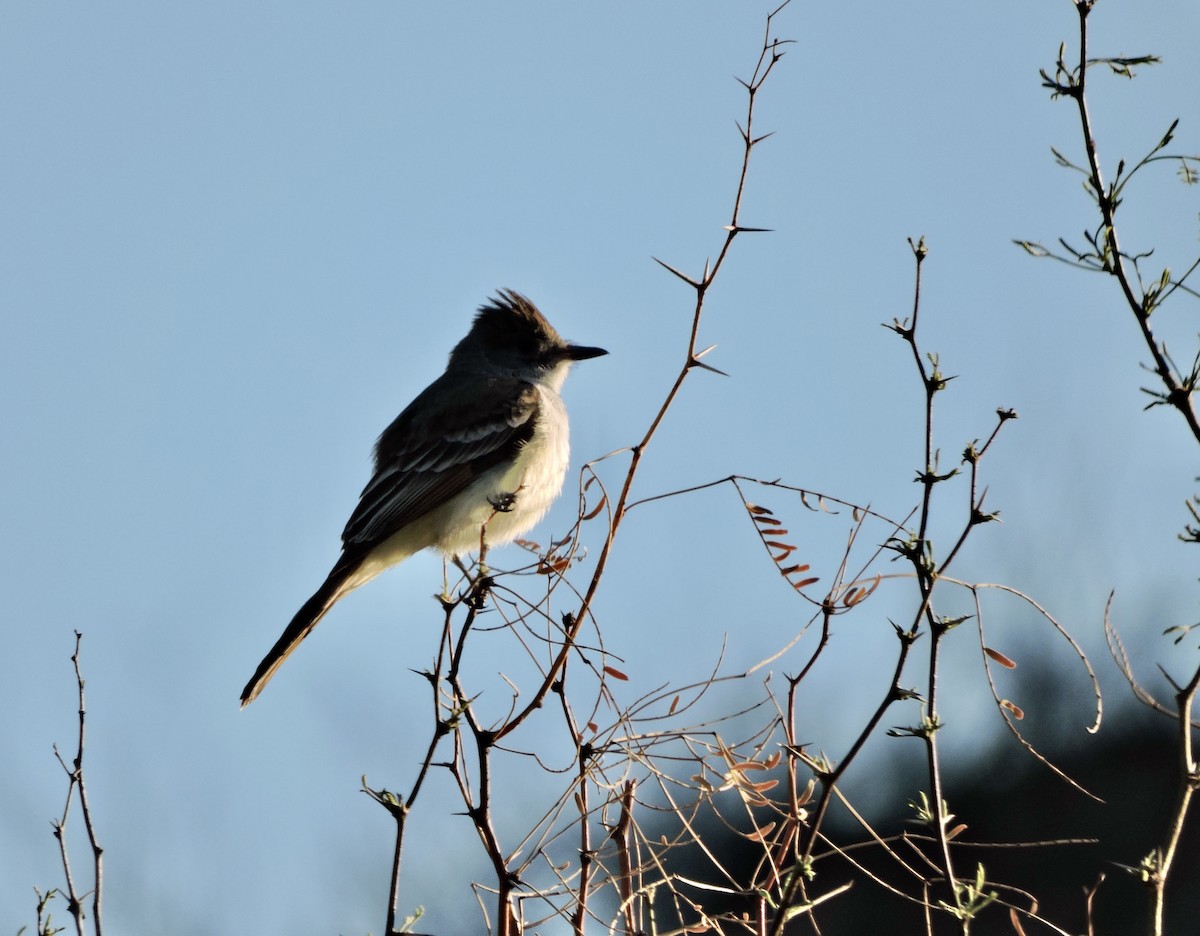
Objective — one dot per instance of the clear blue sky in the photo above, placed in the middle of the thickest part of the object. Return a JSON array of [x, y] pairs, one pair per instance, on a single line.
[[238, 238]]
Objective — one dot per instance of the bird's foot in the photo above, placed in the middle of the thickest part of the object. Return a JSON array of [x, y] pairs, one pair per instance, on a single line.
[[503, 503]]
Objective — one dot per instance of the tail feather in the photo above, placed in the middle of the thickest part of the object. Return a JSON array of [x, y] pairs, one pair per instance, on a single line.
[[338, 583]]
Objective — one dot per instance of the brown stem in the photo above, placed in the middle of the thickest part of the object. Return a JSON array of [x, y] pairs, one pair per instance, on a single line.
[[1189, 783]]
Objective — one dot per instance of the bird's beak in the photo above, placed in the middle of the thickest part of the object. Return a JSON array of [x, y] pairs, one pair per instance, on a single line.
[[574, 352]]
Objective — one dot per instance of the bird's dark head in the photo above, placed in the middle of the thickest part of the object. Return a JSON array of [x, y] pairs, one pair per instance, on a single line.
[[510, 332]]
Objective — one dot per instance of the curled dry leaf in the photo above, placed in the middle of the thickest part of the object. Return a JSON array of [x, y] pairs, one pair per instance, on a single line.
[[856, 594], [804, 797], [615, 673], [759, 834], [1017, 711], [674, 705], [956, 831], [804, 583], [865, 593], [804, 499], [1000, 658], [591, 514]]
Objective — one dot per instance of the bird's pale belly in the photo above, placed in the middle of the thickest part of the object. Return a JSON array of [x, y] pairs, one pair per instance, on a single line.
[[530, 486]]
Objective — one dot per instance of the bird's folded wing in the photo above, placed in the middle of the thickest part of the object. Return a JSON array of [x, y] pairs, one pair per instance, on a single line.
[[446, 438]]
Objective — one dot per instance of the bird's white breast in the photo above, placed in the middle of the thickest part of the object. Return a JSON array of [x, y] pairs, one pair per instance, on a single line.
[[535, 477]]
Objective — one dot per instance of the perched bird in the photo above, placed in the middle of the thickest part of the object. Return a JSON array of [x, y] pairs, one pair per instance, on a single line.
[[485, 443]]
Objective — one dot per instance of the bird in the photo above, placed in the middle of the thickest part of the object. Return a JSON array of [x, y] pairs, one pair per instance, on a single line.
[[482, 450]]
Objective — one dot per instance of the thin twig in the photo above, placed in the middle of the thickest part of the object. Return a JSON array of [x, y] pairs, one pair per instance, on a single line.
[[1177, 394]]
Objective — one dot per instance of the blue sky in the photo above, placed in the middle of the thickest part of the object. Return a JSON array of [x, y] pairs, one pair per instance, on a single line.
[[239, 238]]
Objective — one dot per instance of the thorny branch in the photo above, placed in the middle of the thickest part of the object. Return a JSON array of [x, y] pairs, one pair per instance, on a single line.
[[76, 781], [918, 550], [772, 51]]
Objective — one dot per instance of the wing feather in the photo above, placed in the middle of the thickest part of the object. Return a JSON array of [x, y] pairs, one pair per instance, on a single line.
[[442, 442]]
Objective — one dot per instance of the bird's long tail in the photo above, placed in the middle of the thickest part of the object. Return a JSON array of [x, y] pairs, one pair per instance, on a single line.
[[340, 581]]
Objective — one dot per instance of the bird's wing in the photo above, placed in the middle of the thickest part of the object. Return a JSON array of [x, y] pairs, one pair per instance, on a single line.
[[445, 439]]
